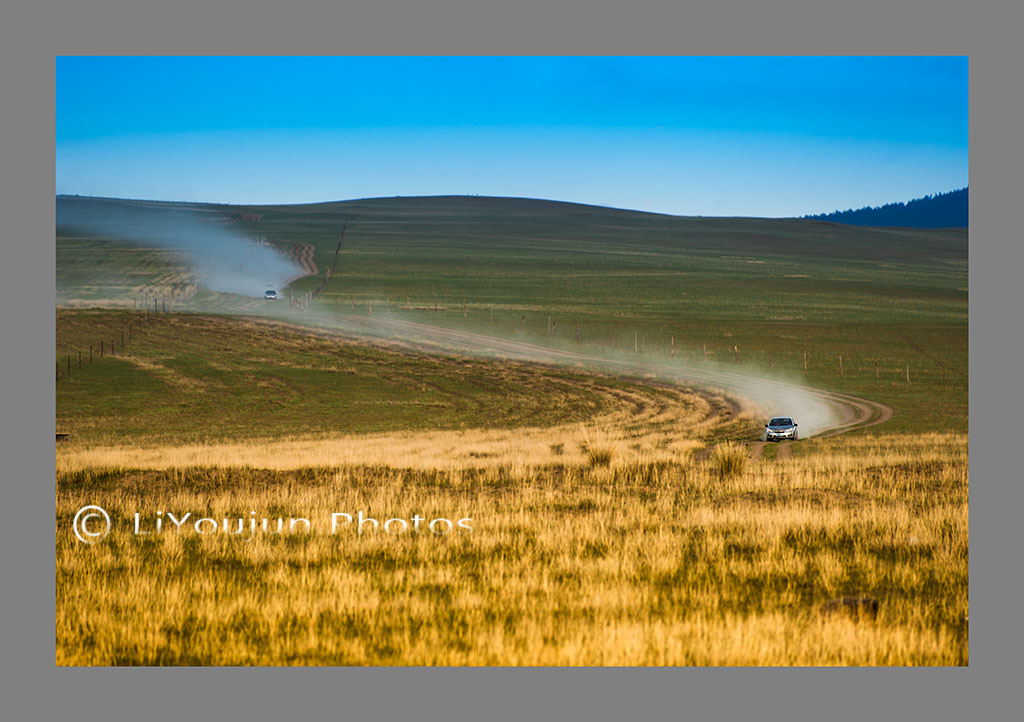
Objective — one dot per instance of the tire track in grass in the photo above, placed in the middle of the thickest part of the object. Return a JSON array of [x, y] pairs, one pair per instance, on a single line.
[[755, 450]]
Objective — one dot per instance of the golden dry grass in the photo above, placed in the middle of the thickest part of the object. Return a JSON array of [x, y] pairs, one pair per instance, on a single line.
[[640, 563]]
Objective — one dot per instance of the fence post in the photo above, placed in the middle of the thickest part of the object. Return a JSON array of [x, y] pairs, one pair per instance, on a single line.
[[805, 359], [876, 369], [672, 345], [735, 354], [840, 364], [908, 373]]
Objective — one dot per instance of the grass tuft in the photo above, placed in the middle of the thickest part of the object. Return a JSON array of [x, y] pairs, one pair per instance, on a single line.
[[729, 460], [600, 451]]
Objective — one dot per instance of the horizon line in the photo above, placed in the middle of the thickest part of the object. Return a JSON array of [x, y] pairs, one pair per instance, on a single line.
[[808, 216]]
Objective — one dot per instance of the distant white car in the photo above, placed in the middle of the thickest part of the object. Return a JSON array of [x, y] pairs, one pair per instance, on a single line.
[[270, 295], [779, 428]]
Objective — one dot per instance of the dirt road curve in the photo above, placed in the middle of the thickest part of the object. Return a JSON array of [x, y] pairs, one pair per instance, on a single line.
[[822, 413]]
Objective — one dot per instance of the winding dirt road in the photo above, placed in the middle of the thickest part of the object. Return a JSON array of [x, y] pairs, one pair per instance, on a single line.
[[822, 413]]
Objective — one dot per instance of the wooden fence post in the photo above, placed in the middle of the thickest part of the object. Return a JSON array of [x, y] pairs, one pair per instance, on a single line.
[[672, 346], [876, 369], [549, 326], [908, 373], [805, 359], [735, 354], [840, 364]]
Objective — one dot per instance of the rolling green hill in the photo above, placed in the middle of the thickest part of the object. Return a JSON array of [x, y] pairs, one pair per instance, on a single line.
[[759, 293]]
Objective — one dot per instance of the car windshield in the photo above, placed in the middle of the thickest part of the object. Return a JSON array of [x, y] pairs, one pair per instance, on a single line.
[[781, 422]]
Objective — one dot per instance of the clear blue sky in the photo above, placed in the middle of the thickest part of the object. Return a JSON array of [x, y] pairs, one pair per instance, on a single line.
[[691, 136]]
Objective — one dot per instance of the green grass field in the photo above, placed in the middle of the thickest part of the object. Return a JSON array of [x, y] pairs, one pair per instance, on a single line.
[[185, 378], [760, 291]]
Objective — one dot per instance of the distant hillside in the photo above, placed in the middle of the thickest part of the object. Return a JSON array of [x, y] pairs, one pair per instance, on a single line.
[[945, 210], [515, 224]]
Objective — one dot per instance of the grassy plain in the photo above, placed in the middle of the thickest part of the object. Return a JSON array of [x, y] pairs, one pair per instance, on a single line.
[[601, 532], [198, 379], [769, 288], [656, 563]]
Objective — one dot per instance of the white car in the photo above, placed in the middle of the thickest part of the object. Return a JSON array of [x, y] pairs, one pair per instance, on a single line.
[[270, 295], [779, 428]]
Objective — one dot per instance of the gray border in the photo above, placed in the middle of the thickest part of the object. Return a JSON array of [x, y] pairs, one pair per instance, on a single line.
[[32, 688]]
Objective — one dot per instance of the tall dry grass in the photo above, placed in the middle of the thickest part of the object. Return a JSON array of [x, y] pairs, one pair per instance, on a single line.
[[639, 563]]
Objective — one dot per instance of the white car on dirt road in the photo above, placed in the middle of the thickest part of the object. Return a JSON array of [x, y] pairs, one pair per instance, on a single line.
[[779, 428]]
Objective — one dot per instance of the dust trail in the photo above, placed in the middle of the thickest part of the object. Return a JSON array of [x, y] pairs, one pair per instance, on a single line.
[[818, 412], [220, 257]]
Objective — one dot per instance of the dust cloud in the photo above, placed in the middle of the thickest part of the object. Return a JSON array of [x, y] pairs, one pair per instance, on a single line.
[[220, 257]]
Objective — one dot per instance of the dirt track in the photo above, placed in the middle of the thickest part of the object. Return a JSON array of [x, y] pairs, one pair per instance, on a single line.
[[841, 412]]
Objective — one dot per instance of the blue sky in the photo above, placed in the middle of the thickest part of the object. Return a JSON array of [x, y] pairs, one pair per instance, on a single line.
[[691, 136]]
